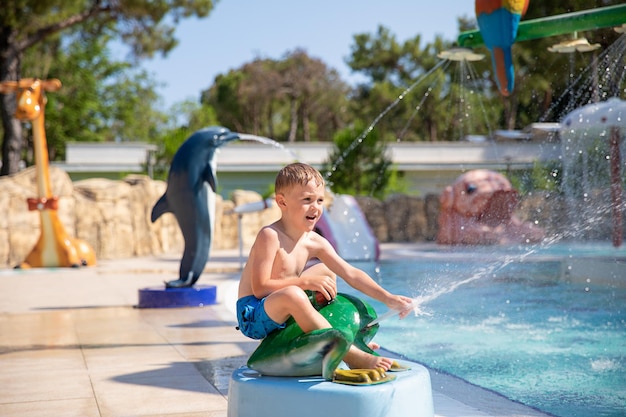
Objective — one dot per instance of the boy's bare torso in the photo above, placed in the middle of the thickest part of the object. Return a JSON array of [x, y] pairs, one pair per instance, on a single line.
[[289, 260]]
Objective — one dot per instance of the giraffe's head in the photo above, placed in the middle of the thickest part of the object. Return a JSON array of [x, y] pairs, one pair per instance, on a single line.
[[31, 97]]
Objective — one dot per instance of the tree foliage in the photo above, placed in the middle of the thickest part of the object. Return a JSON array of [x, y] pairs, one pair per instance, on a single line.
[[101, 99], [146, 25], [295, 97], [427, 99], [169, 140], [408, 92], [358, 164], [543, 79]]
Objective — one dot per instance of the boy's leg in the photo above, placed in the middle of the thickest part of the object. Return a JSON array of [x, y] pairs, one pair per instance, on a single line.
[[293, 302], [355, 358]]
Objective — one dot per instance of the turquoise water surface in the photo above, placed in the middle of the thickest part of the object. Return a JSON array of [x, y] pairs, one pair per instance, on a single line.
[[517, 326]]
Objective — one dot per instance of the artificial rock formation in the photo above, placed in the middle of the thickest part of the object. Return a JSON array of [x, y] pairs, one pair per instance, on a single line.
[[114, 216]]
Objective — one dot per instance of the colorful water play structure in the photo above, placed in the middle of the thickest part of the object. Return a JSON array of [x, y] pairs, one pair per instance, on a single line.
[[498, 22], [597, 126], [500, 26], [55, 247], [290, 352], [602, 17], [300, 368], [190, 196], [478, 209]]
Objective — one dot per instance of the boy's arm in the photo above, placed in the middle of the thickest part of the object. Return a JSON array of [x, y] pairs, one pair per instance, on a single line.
[[260, 261], [359, 280]]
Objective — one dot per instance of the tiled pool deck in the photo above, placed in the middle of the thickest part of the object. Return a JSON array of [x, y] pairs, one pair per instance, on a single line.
[[73, 344]]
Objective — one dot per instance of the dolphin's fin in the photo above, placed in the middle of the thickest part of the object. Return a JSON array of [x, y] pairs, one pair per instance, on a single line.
[[208, 176], [161, 206]]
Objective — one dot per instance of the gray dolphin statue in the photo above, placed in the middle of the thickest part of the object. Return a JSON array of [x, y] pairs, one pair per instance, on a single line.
[[190, 196]]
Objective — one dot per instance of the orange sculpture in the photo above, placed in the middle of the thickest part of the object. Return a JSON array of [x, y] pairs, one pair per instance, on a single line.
[[478, 208], [55, 248]]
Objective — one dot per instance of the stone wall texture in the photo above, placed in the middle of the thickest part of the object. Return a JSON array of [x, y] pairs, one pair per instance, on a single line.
[[114, 216]]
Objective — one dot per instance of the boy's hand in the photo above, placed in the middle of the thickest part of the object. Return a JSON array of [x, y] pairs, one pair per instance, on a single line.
[[402, 304], [325, 285]]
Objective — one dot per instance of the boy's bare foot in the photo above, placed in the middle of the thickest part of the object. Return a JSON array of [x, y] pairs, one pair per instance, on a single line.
[[373, 345], [357, 359]]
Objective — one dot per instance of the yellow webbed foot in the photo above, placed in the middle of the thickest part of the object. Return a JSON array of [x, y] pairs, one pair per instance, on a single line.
[[397, 367], [362, 376]]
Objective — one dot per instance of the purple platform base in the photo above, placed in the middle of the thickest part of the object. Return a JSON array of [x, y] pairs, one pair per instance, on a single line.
[[162, 297]]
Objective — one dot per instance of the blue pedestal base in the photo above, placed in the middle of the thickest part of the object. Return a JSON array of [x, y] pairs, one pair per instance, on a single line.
[[162, 297], [251, 394]]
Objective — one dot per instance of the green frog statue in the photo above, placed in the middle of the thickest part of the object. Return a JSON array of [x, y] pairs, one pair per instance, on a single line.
[[291, 352]]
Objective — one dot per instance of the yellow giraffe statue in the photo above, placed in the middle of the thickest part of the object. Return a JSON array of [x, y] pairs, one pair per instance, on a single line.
[[55, 248]]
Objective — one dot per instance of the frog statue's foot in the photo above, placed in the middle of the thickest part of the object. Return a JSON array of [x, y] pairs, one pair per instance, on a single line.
[[362, 376], [290, 352]]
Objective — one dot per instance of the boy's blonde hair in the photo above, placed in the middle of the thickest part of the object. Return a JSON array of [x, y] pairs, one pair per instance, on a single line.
[[296, 173]]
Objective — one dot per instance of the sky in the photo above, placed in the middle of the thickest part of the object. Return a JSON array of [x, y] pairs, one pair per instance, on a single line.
[[238, 31]]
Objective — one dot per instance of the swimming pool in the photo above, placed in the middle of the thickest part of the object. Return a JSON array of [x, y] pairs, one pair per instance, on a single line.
[[525, 323]]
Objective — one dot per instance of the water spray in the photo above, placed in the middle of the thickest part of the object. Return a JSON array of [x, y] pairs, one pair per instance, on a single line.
[[417, 302], [267, 141]]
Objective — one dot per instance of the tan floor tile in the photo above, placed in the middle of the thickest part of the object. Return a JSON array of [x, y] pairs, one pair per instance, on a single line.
[[47, 329], [208, 335], [82, 407], [129, 357], [44, 385], [214, 351], [117, 334], [36, 360], [176, 388], [220, 413]]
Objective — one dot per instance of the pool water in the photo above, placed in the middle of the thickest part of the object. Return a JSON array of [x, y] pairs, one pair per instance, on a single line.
[[516, 326]]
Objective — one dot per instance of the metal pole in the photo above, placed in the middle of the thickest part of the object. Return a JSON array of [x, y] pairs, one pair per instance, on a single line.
[[616, 187]]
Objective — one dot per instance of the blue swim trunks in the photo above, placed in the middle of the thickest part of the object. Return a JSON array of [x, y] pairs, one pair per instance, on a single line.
[[252, 318]]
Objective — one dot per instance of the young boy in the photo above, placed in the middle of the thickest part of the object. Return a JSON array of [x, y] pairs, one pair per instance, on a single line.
[[274, 280]]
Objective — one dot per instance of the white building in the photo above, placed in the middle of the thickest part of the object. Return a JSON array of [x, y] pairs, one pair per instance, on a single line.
[[427, 166]]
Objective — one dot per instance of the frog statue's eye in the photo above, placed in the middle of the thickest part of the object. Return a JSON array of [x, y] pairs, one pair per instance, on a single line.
[[471, 188]]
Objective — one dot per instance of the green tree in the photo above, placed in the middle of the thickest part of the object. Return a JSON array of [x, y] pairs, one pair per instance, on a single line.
[[358, 164], [101, 100], [297, 96], [313, 90], [546, 80], [543, 79], [421, 96], [144, 24], [246, 99], [170, 139]]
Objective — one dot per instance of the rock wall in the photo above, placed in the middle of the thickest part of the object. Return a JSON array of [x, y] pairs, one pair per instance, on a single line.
[[114, 216], [402, 218]]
